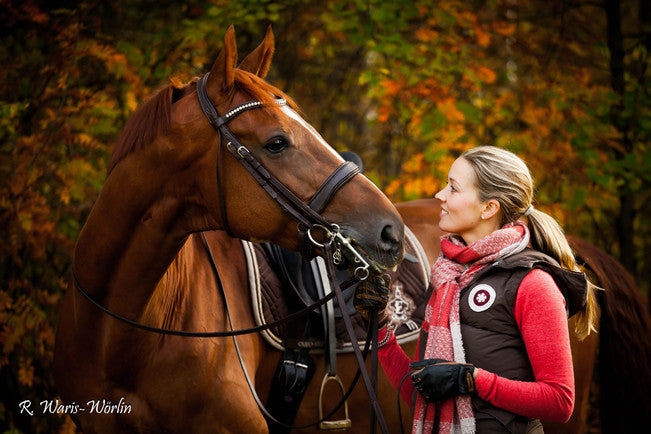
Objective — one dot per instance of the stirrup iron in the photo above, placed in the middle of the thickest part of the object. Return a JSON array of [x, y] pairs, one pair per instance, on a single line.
[[333, 425]]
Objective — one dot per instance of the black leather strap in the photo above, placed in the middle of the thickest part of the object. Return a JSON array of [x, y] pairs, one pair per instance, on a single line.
[[370, 385], [335, 181], [163, 331], [211, 113]]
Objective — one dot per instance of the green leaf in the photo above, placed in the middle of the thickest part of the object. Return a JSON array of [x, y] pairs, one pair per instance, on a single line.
[[470, 112]]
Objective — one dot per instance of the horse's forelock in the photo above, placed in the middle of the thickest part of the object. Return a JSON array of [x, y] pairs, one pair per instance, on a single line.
[[260, 90]]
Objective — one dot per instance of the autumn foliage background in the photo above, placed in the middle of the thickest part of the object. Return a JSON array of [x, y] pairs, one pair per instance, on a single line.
[[406, 84]]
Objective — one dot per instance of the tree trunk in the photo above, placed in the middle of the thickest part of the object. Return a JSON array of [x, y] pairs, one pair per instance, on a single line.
[[626, 215]]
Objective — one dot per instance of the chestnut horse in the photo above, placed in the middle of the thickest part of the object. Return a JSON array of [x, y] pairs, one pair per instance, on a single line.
[[611, 367], [140, 254]]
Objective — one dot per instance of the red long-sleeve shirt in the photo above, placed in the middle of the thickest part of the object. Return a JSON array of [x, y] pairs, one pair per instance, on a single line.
[[540, 314]]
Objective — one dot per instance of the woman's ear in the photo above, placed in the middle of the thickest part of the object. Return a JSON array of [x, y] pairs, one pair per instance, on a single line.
[[490, 209]]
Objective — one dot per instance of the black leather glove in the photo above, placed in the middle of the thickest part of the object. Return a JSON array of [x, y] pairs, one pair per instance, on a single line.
[[438, 379], [373, 294]]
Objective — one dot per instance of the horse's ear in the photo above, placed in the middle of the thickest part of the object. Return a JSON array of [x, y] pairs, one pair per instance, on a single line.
[[259, 60], [222, 73]]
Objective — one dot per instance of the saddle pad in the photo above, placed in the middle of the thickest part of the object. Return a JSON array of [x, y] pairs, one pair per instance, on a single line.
[[405, 307]]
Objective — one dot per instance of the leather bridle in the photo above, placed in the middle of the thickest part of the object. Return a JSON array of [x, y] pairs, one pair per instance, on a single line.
[[307, 215]]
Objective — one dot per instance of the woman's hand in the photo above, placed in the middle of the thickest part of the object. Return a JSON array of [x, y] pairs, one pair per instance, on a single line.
[[438, 379]]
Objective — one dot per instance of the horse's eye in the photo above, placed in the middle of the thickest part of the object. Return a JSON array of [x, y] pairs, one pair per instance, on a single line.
[[276, 145]]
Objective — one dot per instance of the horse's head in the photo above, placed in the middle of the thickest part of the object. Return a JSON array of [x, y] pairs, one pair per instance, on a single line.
[[222, 192]]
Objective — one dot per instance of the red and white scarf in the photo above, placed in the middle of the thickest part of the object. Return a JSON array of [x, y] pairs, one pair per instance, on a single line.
[[456, 266]]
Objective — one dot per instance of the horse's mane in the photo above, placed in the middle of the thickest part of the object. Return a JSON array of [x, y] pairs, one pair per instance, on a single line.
[[153, 118]]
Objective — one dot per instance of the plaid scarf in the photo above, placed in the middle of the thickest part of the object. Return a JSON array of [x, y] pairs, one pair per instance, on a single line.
[[455, 268]]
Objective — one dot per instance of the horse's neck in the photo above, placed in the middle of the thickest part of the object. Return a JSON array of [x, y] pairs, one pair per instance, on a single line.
[[132, 234], [187, 291]]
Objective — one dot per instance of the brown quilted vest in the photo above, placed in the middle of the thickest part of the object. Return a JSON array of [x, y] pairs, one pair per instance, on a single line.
[[491, 337]]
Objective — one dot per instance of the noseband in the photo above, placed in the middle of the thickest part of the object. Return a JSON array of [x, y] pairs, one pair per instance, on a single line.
[[307, 215]]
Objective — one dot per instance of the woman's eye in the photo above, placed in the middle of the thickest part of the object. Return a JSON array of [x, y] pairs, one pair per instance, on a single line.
[[277, 144]]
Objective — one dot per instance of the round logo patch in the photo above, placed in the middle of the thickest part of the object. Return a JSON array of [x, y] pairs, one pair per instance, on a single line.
[[481, 297]]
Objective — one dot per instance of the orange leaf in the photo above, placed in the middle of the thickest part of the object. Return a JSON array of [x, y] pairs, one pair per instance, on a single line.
[[483, 38], [486, 75], [504, 28], [26, 373]]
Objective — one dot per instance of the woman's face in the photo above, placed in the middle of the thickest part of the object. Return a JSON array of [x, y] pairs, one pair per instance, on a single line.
[[461, 209]]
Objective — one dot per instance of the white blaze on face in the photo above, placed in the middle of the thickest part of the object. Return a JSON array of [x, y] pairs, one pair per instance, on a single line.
[[292, 114]]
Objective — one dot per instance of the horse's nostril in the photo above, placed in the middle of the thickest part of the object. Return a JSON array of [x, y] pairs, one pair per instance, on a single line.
[[391, 237]]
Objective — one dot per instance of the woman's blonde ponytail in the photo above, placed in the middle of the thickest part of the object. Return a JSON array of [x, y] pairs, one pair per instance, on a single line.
[[548, 237]]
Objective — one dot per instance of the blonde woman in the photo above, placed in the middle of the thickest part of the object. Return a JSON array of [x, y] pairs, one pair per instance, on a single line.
[[494, 351]]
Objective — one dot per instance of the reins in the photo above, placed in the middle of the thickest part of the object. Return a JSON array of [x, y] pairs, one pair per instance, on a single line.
[[192, 334], [372, 331]]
